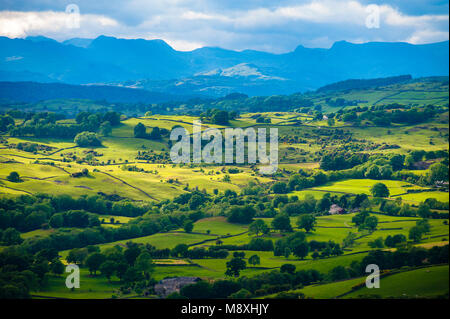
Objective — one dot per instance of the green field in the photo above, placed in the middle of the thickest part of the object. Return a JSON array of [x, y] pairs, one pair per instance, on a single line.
[[421, 283]]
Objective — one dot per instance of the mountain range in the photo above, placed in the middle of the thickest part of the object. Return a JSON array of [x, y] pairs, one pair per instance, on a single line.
[[155, 66]]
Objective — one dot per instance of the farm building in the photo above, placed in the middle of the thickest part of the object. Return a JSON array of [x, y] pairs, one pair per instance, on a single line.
[[170, 285], [335, 209]]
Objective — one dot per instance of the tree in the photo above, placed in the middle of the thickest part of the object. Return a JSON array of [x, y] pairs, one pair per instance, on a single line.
[[87, 139], [241, 214], [140, 131], [338, 273], [220, 117], [188, 226], [144, 263], [370, 223], [306, 222], [155, 134], [376, 243], [199, 290], [331, 122], [234, 266], [379, 190], [108, 268], [195, 201], [437, 172], [56, 221], [279, 188], [57, 267], [254, 260], [349, 240], [415, 233], [423, 210], [258, 227], [424, 225], [94, 261], [241, 294], [394, 241], [132, 275], [10, 236], [14, 177], [288, 268], [282, 223], [179, 250], [300, 248], [359, 218], [397, 161], [105, 128]]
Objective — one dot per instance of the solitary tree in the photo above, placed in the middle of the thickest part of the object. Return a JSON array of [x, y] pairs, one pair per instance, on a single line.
[[94, 261], [14, 177], [254, 260], [108, 268], [306, 222], [380, 190], [188, 226], [258, 227], [234, 267], [282, 223]]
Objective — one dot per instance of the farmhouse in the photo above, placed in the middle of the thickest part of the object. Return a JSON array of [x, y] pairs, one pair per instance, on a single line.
[[170, 285], [335, 209]]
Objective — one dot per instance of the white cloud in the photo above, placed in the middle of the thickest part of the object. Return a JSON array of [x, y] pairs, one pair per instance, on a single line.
[[16, 24]]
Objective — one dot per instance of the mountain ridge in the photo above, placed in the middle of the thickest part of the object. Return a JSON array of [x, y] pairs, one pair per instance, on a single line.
[[114, 61]]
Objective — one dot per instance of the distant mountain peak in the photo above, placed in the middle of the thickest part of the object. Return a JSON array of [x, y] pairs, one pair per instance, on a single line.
[[39, 38], [78, 42], [239, 70]]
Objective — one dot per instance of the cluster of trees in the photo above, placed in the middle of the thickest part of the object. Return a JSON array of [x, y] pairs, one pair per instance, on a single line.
[[27, 212], [365, 221], [219, 117], [396, 208], [6, 122], [22, 272], [87, 139], [402, 115], [182, 250], [46, 124], [140, 131], [295, 244], [340, 160], [74, 218], [236, 102], [133, 265]]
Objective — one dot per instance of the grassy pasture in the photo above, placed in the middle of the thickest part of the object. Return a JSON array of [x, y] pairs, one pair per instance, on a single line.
[[420, 283], [91, 287], [218, 226], [363, 186]]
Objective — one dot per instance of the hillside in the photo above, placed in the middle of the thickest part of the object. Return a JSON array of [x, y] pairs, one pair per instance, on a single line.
[[34, 92], [402, 90]]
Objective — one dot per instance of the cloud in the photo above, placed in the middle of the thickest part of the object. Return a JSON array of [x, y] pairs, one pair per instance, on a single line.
[[59, 24], [235, 24]]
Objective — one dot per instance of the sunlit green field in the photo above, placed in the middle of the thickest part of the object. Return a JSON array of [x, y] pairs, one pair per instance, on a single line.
[[421, 283], [363, 186]]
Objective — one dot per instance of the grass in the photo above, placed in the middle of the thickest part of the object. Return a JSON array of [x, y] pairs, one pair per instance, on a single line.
[[163, 240], [218, 226], [421, 197], [91, 287], [363, 186], [420, 283]]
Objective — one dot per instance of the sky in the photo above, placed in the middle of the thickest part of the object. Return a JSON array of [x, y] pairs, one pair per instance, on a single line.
[[265, 25]]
